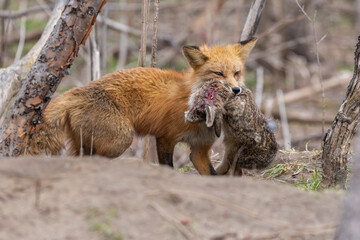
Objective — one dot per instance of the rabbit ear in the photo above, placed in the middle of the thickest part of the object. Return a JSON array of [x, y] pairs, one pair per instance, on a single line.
[[210, 115], [213, 119], [217, 125]]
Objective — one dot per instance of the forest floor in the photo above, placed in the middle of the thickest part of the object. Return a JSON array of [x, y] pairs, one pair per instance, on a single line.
[[96, 198]]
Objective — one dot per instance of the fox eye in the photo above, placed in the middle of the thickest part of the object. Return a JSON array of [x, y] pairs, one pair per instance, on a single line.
[[219, 74], [237, 74]]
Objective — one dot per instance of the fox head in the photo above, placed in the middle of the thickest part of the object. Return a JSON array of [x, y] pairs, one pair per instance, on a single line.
[[225, 63]]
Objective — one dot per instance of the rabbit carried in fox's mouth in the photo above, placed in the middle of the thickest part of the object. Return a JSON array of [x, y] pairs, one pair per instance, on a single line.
[[248, 137]]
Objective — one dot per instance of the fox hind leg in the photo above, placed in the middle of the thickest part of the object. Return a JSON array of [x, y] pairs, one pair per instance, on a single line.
[[98, 130], [165, 150]]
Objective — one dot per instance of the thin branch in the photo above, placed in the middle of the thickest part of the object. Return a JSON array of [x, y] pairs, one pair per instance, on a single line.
[[154, 41], [123, 44], [20, 48], [126, 7], [94, 56], [320, 76], [81, 143], [120, 27], [3, 34], [306, 138], [278, 48], [103, 43], [305, 92], [303, 10], [11, 15], [142, 50], [259, 85], [284, 121], [44, 6], [92, 143], [317, 42], [29, 36], [280, 24]]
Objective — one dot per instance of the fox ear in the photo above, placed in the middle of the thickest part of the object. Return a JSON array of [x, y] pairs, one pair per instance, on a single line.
[[194, 56], [244, 48]]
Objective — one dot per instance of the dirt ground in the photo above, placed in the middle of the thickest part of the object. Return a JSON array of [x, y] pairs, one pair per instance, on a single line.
[[95, 198]]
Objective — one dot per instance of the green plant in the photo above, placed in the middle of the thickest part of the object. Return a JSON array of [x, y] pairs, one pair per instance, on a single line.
[[104, 225], [299, 168], [276, 170], [312, 184], [186, 168]]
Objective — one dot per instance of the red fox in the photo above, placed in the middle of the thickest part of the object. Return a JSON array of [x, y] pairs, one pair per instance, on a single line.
[[105, 114]]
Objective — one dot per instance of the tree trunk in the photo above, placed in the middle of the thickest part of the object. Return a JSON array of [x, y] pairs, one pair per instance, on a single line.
[[54, 60], [252, 20], [349, 225], [12, 77], [337, 140]]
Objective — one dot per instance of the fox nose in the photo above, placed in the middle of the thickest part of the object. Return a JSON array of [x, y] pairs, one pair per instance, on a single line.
[[236, 90]]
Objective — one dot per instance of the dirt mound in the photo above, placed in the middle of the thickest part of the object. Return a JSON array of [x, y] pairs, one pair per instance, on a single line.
[[94, 198]]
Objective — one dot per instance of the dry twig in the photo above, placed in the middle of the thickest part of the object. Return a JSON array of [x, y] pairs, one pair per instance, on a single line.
[[142, 55], [104, 42], [32, 10], [21, 44], [279, 25], [154, 40], [284, 121]]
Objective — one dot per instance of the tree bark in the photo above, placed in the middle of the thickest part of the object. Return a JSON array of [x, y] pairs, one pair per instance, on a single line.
[[337, 140], [349, 225], [252, 20], [55, 58], [12, 77]]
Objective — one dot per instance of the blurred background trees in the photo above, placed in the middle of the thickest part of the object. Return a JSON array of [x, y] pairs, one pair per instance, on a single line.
[[285, 56]]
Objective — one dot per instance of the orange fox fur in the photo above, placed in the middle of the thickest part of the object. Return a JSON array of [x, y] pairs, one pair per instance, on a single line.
[[109, 111]]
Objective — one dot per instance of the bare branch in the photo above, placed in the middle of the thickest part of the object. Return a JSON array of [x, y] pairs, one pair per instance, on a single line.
[[117, 26], [44, 6], [20, 48], [305, 92], [94, 57], [279, 25], [259, 85], [123, 43], [103, 43], [11, 15], [303, 10], [143, 33], [142, 51], [284, 121], [154, 41]]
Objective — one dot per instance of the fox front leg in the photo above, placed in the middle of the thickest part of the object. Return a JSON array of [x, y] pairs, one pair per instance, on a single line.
[[199, 156]]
